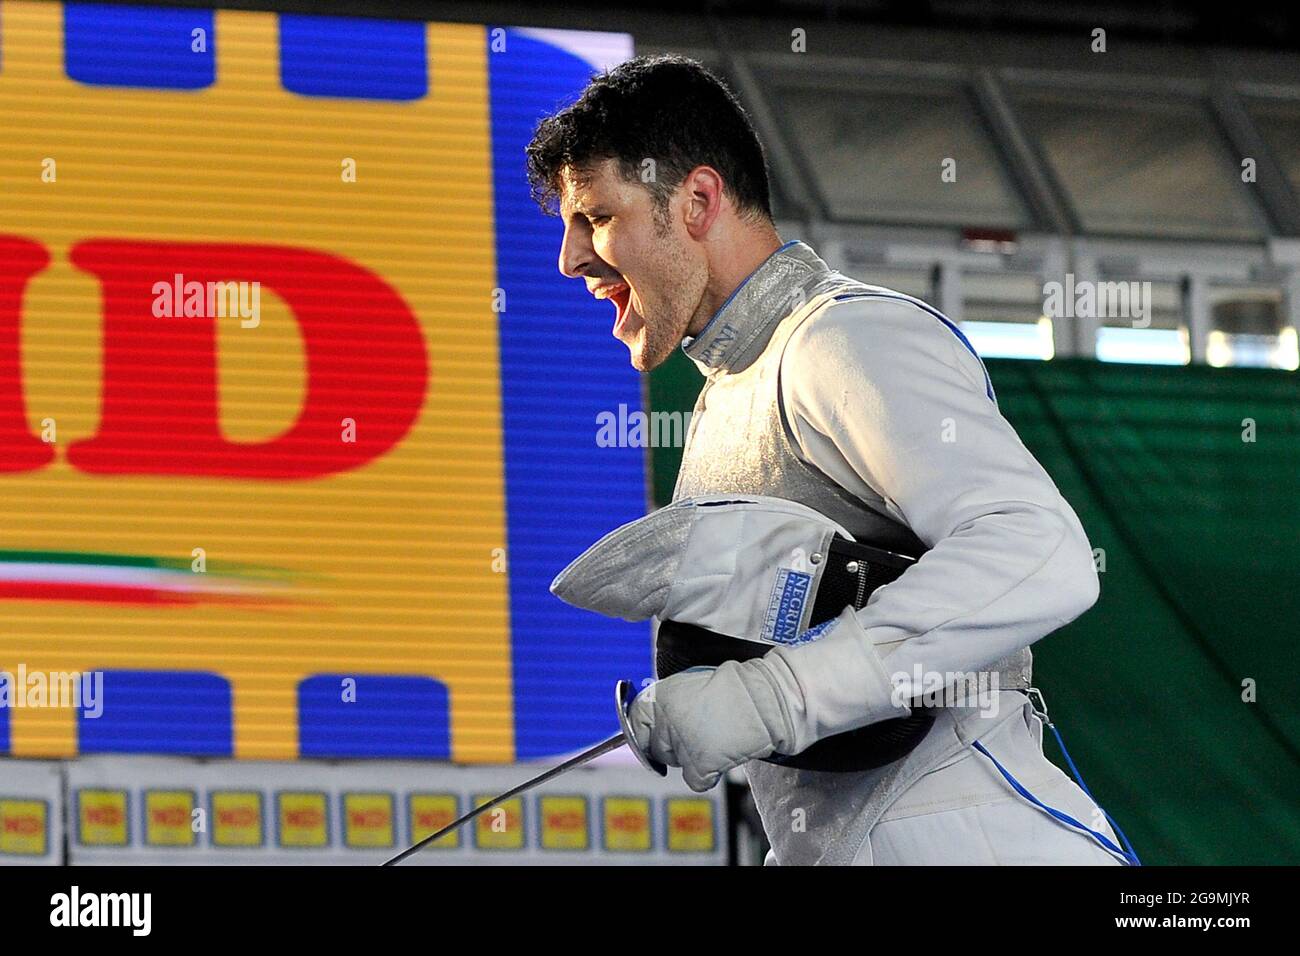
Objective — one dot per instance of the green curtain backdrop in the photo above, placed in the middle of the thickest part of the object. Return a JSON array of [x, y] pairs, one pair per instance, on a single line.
[[1178, 694]]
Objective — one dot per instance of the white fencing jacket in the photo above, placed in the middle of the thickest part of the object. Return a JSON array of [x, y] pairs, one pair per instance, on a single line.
[[870, 407]]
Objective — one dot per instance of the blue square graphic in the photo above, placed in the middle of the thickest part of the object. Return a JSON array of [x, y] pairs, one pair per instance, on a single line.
[[381, 716], [160, 712], [146, 47], [353, 58]]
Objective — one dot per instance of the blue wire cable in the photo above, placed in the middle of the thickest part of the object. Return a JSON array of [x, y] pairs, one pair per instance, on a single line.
[[1063, 817], [1130, 857], [1077, 776]]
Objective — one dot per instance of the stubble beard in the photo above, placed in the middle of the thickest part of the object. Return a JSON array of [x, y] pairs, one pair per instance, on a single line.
[[656, 345], [659, 339]]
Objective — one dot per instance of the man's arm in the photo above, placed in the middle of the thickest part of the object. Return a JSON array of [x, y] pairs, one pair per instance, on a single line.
[[886, 400]]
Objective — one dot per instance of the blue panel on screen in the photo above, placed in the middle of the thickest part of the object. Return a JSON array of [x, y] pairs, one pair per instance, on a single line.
[[163, 712], [5, 745], [353, 57], [385, 717], [149, 47], [560, 367]]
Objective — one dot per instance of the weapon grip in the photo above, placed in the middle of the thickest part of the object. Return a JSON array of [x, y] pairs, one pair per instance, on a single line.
[[623, 694]]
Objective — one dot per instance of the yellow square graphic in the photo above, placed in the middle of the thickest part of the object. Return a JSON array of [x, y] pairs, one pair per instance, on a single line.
[[368, 819], [690, 825], [429, 813], [303, 819], [564, 823], [169, 818], [627, 824], [237, 818], [23, 824], [501, 828], [101, 815]]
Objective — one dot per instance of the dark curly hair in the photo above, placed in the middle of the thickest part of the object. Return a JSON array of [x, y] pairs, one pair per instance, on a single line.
[[666, 108]]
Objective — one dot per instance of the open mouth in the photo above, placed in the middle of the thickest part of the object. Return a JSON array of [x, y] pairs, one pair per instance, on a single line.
[[622, 299], [621, 296]]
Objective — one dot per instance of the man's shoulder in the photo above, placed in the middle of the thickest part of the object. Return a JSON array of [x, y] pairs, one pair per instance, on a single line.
[[881, 333], [862, 318]]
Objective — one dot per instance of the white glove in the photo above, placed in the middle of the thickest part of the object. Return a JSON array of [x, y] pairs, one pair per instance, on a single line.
[[707, 720]]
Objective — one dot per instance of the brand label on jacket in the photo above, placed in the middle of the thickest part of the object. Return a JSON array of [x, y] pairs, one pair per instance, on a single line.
[[785, 609]]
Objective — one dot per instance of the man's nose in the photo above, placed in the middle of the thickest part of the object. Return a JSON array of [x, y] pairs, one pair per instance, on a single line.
[[576, 254]]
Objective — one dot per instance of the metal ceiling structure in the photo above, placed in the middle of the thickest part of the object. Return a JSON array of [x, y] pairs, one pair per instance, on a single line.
[[1174, 167]]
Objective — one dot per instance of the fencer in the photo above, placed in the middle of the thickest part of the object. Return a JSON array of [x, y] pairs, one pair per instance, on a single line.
[[869, 408]]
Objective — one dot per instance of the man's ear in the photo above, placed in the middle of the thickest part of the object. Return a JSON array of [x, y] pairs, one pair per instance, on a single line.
[[704, 199]]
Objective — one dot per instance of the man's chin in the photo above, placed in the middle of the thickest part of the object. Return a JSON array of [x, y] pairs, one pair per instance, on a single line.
[[644, 359], [647, 351], [639, 362]]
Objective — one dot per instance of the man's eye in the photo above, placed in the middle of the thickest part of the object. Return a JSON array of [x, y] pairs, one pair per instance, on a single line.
[[599, 220]]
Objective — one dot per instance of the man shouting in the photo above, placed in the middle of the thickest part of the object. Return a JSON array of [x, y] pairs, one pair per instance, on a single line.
[[872, 409]]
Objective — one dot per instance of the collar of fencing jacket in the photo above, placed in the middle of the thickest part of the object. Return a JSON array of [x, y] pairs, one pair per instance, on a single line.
[[740, 329]]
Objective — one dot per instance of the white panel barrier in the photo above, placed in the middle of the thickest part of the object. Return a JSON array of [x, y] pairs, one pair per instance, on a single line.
[[143, 810], [31, 812]]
